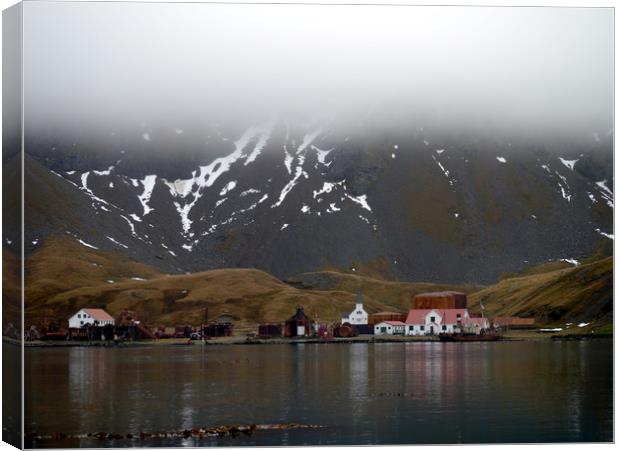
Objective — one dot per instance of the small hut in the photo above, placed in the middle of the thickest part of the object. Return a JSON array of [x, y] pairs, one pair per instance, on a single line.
[[299, 325]]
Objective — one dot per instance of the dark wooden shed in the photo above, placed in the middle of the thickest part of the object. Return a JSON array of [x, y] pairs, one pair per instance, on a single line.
[[299, 325]]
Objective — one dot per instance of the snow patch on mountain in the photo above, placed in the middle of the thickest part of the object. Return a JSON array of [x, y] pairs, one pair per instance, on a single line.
[[260, 145], [321, 155], [570, 164], [444, 170], [308, 139], [361, 200], [181, 188], [106, 172], [149, 183], [564, 187], [607, 194], [116, 242], [249, 191], [84, 243], [606, 235], [229, 187], [332, 208], [132, 227], [501, 160], [327, 188], [84, 187]]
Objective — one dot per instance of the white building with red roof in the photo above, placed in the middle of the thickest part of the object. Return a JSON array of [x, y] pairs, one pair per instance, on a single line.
[[435, 321], [92, 316]]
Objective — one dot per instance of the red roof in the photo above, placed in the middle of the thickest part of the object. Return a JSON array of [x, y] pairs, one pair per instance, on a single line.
[[448, 316], [98, 314], [417, 316]]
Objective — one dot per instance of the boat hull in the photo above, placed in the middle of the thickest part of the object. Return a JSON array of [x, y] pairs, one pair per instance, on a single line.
[[469, 337]]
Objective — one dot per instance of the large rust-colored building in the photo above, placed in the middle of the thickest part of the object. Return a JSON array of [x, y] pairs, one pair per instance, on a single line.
[[376, 318], [439, 300]]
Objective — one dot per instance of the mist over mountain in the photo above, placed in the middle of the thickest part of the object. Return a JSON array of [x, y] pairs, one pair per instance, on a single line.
[[531, 69]]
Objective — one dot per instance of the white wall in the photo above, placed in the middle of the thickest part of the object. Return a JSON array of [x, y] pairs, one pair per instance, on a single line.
[[357, 316], [389, 329]]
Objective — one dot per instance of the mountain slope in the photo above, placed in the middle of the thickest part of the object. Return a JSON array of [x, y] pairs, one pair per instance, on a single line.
[[289, 198], [580, 294]]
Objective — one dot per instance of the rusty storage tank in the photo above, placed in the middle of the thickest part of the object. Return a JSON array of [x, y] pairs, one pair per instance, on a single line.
[[439, 300], [345, 330], [376, 318]]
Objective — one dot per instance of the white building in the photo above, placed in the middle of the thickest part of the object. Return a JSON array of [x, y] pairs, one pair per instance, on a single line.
[[435, 321], [92, 316], [390, 328], [357, 316]]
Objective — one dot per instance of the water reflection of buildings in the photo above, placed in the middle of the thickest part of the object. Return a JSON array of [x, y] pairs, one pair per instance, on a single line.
[[358, 379], [89, 383], [440, 374]]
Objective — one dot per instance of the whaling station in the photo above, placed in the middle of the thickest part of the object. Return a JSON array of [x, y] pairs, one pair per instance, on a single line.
[[440, 314]]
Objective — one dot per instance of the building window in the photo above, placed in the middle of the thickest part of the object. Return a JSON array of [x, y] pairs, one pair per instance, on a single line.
[[410, 327], [443, 327], [432, 319], [81, 323], [421, 327], [383, 330]]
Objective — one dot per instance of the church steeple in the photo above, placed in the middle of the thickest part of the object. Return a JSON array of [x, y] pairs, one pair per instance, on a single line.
[[359, 301]]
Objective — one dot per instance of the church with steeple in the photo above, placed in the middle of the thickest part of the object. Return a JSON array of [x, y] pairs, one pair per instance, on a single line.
[[358, 316]]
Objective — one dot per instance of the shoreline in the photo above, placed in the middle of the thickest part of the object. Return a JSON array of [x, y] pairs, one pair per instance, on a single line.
[[241, 340]]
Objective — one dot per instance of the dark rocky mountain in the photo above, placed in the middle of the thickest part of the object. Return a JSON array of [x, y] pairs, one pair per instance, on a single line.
[[412, 203]]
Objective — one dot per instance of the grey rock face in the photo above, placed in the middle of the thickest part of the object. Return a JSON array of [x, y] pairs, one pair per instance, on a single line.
[[423, 206]]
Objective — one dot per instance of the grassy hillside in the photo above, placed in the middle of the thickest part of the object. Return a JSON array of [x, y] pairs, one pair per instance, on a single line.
[[577, 294], [395, 294], [64, 275], [62, 264]]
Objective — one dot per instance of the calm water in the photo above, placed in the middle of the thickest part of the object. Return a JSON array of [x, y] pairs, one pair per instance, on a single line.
[[387, 393]]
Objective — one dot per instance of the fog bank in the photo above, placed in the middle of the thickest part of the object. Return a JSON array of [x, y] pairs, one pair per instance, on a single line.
[[124, 63]]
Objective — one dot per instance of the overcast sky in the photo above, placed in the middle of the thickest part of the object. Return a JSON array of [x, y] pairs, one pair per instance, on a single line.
[[140, 61]]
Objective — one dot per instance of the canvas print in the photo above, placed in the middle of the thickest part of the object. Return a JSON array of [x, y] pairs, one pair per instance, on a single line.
[[304, 224]]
